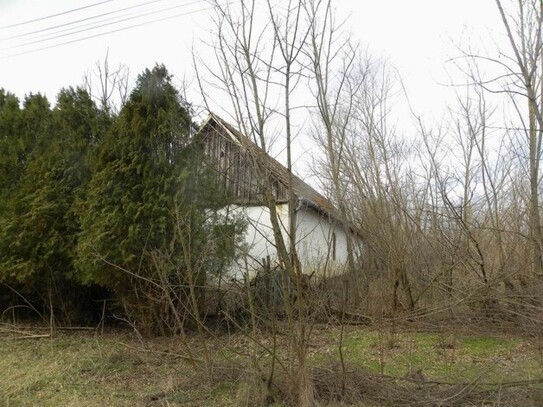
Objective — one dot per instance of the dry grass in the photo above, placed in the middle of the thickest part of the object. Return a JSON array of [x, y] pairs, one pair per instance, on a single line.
[[81, 369], [382, 369]]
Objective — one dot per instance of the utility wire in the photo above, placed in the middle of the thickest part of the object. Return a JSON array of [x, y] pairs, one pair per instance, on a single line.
[[76, 31], [109, 32], [79, 21], [54, 15]]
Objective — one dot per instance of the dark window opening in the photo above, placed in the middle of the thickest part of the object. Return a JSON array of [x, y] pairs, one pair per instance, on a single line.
[[334, 246]]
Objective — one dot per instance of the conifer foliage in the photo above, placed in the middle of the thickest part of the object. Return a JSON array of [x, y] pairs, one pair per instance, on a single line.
[[128, 211], [88, 199], [45, 160], [113, 205]]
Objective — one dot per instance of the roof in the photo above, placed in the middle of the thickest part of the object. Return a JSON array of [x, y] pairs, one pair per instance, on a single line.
[[307, 194]]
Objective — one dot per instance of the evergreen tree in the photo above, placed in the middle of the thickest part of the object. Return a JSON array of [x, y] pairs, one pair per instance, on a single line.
[[39, 235], [10, 147], [87, 199], [20, 132], [23, 132], [128, 211]]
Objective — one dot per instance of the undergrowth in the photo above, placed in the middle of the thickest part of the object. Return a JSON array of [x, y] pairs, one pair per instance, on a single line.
[[381, 369]]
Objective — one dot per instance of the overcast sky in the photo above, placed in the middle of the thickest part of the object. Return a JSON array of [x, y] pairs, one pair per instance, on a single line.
[[47, 45], [417, 36]]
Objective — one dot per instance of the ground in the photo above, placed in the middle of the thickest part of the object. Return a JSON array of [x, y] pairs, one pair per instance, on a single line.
[[383, 366]]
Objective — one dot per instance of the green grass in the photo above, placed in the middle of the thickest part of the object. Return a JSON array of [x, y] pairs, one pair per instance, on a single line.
[[488, 345], [454, 358]]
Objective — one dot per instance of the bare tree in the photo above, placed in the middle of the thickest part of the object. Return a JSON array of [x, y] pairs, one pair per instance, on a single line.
[[366, 162], [334, 63], [524, 31], [108, 86], [519, 80], [259, 69]]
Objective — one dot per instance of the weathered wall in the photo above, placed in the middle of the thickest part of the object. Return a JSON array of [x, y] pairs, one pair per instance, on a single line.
[[322, 243], [315, 237]]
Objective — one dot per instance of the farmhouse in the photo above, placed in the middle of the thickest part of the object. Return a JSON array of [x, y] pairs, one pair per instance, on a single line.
[[237, 162]]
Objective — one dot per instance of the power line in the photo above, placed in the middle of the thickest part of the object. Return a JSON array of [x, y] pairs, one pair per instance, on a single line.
[[79, 21], [94, 27], [108, 32], [54, 15]]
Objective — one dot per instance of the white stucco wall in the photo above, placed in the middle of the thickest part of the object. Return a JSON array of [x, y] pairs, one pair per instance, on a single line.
[[314, 240], [315, 236], [259, 234]]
